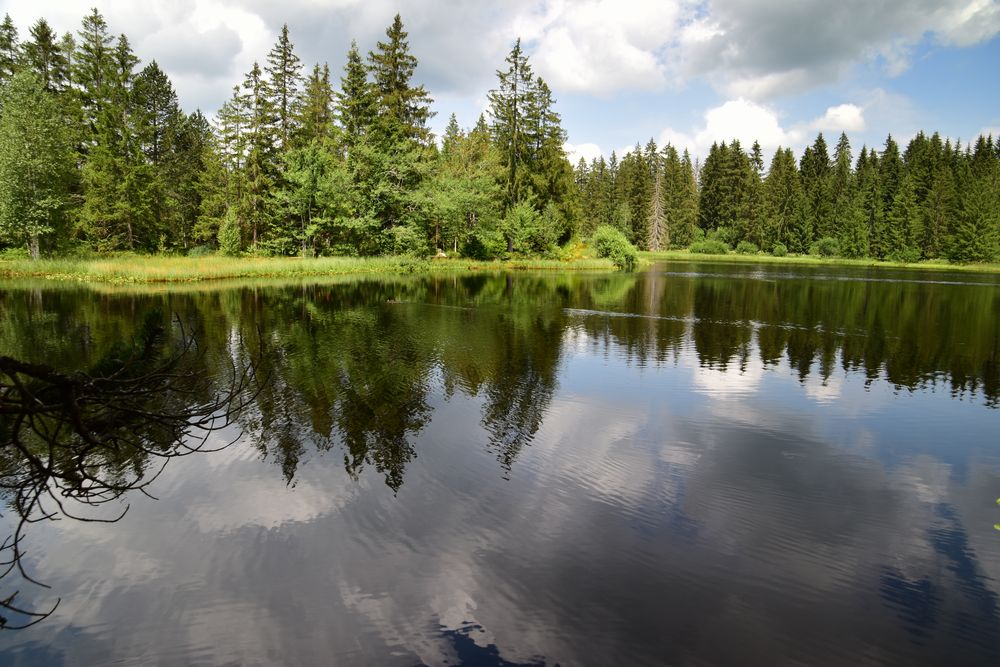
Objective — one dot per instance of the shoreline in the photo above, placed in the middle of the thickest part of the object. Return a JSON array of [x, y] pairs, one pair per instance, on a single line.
[[812, 260], [166, 270], [147, 270]]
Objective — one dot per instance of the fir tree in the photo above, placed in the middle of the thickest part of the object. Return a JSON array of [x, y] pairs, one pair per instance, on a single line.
[[403, 109], [285, 71]]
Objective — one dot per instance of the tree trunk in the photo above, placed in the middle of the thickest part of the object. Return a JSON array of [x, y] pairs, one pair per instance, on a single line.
[[33, 247]]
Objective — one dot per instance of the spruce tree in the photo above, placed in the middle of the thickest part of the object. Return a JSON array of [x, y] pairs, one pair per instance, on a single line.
[[403, 109], [285, 72], [355, 103], [315, 109], [43, 55], [9, 49]]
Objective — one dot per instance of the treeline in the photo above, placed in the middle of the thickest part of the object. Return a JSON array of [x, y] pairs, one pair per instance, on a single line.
[[934, 200], [95, 152]]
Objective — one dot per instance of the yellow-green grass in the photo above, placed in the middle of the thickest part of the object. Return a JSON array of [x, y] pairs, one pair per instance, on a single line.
[[933, 265], [130, 269]]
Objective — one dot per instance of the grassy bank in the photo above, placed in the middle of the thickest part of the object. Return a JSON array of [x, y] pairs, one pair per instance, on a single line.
[[932, 265], [136, 269]]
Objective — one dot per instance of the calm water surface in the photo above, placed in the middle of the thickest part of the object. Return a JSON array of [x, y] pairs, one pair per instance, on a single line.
[[700, 464]]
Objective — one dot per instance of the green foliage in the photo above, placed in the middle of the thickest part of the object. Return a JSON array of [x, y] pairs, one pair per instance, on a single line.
[[709, 247], [779, 250], [747, 248], [610, 242], [407, 241], [35, 164], [825, 247], [201, 251], [229, 239]]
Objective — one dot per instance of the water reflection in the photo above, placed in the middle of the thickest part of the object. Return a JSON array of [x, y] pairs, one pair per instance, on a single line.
[[71, 442], [607, 469]]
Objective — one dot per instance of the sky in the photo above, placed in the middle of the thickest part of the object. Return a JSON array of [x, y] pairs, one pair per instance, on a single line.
[[622, 71]]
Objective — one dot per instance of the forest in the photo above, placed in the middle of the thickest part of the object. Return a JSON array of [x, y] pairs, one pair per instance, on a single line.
[[97, 156]]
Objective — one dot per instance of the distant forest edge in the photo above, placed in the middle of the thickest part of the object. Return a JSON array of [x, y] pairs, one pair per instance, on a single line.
[[97, 156]]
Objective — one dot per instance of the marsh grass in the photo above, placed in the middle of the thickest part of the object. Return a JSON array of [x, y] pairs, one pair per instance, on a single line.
[[140, 269], [933, 265]]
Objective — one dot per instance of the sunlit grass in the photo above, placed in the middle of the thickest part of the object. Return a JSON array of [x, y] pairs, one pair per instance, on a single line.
[[126, 269], [935, 265]]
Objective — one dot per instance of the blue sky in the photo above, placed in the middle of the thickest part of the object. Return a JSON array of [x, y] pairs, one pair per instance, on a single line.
[[688, 72]]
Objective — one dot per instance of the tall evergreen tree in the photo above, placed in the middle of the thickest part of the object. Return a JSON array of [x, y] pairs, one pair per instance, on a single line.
[[43, 55], [355, 103], [403, 109], [285, 71], [315, 110], [9, 49]]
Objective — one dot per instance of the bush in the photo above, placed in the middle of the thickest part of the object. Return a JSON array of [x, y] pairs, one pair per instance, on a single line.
[[747, 248], [906, 256], [779, 250], [709, 247], [201, 251], [610, 242], [825, 247], [483, 245], [230, 242]]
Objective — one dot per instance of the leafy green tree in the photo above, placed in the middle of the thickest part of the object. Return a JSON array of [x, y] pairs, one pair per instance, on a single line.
[[35, 162]]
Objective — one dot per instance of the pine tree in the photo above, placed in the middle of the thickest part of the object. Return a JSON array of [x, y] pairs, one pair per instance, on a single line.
[[285, 71], [43, 55], [977, 230], [315, 109], [508, 104], [355, 108], [9, 49], [35, 163], [92, 65], [403, 109], [940, 211]]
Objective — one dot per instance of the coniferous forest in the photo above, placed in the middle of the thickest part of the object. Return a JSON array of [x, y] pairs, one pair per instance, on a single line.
[[96, 155]]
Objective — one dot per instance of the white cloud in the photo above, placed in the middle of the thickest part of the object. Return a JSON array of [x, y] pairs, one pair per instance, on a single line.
[[586, 151], [599, 47], [769, 48], [842, 118], [739, 119]]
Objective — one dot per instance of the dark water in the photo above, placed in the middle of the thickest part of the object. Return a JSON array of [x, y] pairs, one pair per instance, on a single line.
[[702, 464]]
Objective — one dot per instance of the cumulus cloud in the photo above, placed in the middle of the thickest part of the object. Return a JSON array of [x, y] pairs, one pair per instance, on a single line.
[[598, 47], [586, 151], [843, 118], [772, 47]]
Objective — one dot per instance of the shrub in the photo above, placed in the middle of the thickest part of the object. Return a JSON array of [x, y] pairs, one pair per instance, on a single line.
[[201, 251], [779, 250], [906, 256], [610, 242], [826, 247], [484, 245], [747, 248], [709, 247]]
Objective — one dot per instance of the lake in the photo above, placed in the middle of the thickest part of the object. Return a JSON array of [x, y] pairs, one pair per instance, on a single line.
[[697, 464]]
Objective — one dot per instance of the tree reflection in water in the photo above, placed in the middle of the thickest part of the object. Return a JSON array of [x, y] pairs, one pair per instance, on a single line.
[[71, 441]]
